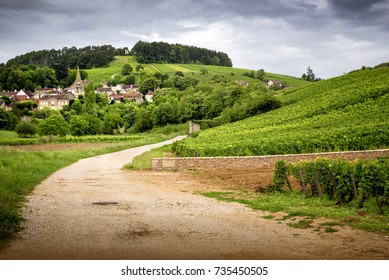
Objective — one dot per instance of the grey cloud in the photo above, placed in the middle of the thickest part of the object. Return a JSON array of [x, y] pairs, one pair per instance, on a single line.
[[370, 12], [283, 36]]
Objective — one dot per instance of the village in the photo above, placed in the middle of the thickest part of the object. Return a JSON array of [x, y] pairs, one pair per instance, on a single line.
[[57, 98]]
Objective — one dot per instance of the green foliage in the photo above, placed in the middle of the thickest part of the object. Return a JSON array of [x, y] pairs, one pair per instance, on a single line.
[[160, 52], [53, 125], [144, 120], [112, 122], [342, 180], [126, 69], [281, 173], [165, 114], [78, 126], [8, 120], [25, 129], [149, 84], [344, 113]]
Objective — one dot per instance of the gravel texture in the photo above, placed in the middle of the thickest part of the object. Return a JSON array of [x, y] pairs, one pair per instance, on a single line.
[[94, 210]]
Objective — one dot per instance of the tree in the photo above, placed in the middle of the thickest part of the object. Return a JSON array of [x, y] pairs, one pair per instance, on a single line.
[[129, 116], [53, 125], [309, 76], [149, 84], [90, 100], [112, 122], [78, 126], [165, 114], [143, 120], [25, 128], [130, 79], [260, 75], [8, 120], [126, 69]]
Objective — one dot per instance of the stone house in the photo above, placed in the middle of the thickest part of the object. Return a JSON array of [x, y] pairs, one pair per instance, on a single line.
[[55, 101], [149, 96]]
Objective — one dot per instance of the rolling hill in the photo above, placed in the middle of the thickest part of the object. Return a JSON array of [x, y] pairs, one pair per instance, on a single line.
[[349, 112], [98, 75]]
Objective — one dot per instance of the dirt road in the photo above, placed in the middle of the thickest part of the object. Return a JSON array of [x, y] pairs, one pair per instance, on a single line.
[[94, 210]]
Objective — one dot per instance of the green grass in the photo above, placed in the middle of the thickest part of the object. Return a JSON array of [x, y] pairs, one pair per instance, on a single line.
[[302, 224], [295, 204], [21, 171], [143, 161], [99, 75]]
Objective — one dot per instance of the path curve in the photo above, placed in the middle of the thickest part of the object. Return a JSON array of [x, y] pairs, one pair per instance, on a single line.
[[94, 210]]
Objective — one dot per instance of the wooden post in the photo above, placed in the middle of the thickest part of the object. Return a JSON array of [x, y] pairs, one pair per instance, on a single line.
[[354, 185], [334, 187], [317, 183], [287, 181], [303, 183]]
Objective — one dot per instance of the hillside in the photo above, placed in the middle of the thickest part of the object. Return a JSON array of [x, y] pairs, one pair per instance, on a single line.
[[98, 75], [349, 112]]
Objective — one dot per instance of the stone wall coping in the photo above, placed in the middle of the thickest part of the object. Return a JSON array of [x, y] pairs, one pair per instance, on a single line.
[[280, 156]]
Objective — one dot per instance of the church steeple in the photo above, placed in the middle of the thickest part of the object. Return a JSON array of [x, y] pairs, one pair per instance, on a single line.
[[78, 85], [78, 76]]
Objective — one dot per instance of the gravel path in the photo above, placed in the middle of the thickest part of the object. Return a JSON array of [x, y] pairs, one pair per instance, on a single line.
[[94, 210]]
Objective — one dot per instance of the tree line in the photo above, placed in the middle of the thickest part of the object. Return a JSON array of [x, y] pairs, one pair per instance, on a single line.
[[59, 62], [161, 52], [179, 99], [31, 76]]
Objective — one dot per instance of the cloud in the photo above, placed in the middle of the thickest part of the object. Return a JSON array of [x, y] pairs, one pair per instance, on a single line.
[[333, 36]]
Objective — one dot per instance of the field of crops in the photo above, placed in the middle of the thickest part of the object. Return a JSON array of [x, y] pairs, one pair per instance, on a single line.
[[349, 112]]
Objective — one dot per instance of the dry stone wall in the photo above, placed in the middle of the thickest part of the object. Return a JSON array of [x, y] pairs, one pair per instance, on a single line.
[[214, 163]]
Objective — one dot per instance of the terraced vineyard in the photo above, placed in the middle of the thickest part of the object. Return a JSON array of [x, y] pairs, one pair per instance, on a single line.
[[349, 112]]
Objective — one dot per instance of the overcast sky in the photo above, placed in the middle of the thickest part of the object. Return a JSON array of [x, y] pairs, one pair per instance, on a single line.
[[280, 36]]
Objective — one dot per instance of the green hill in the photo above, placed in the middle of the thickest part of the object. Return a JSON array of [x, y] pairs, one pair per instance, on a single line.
[[98, 75], [349, 112]]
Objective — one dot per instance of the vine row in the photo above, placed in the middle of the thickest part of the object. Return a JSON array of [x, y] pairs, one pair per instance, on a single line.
[[341, 180]]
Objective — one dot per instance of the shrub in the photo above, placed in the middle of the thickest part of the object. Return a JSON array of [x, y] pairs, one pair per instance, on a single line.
[[25, 129], [53, 125]]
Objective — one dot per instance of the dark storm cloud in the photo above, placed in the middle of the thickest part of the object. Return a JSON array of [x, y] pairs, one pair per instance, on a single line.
[[362, 11], [278, 35]]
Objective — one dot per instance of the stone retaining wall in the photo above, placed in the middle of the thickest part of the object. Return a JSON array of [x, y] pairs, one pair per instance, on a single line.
[[214, 163]]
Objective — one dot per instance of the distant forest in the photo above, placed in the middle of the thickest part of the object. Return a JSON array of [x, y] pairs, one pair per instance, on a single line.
[[50, 68], [160, 52], [68, 58]]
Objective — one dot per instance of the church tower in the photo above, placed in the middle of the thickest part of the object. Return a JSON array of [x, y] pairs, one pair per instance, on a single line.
[[78, 85]]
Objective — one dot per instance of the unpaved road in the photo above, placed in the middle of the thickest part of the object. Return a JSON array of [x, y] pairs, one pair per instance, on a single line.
[[155, 215]]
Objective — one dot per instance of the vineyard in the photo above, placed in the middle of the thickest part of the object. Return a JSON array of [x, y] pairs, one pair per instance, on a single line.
[[12, 141], [349, 112], [341, 180]]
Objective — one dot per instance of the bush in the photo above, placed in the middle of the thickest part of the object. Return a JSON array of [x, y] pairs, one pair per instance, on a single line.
[[25, 129], [53, 125]]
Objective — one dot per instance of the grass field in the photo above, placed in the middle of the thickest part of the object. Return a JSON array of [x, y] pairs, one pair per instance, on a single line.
[[98, 75]]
